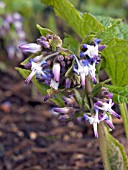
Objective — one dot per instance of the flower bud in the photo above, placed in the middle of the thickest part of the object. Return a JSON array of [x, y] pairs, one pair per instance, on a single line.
[[32, 48]]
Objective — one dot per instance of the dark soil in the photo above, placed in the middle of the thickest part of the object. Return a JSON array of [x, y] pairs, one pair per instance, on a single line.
[[33, 139]]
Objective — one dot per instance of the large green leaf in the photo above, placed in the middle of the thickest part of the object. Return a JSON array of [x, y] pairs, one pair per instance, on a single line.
[[82, 25], [116, 154], [120, 94], [42, 88], [116, 56]]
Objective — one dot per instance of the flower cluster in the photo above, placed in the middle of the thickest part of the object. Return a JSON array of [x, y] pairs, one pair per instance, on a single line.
[[102, 111], [50, 63], [89, 57], [12, 27], [58, 67]]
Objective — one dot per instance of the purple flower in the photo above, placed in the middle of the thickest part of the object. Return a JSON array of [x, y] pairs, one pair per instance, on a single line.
[[91, 51], [94, 120], [36, 69], [32, 48], [106, 107], [82, 70]]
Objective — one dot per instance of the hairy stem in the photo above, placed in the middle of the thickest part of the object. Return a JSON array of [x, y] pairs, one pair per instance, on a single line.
[[103, 145], [124, 113]]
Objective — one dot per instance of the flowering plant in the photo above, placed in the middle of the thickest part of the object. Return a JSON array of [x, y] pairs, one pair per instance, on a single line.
[[56, 66]]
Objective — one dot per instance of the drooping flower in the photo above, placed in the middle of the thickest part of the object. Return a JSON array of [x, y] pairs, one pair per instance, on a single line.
[[106, 107], [81, 70], [94, 120], [36, 69]]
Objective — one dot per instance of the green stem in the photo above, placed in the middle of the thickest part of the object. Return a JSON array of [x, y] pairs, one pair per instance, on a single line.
[[103, 145], [124, 113], [101, 133]]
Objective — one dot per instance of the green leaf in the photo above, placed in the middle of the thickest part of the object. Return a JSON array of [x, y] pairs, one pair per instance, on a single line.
[[90, 24], [107, 35], [120, 94], [42, 88], [78, 97], [121, 29], [82, 25], [110, 31], [44, 31], [70, 43], [116, 154], [116, 56]]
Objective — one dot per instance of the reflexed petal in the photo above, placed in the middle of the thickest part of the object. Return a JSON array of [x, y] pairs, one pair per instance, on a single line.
[[28, 79], [114, 113], [95, 129], [109, 123], [101, 47], [82, 76], [97, 41]]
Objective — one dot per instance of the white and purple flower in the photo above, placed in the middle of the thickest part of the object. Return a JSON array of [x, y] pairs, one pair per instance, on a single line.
[[32, 48], [81, 70], [36, 69]]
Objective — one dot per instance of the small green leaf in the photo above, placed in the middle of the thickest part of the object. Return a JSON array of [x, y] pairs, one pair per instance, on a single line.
[[78, 97], [120, 94], [44, 31], [70, 43], [82, 24], [116, 154]]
